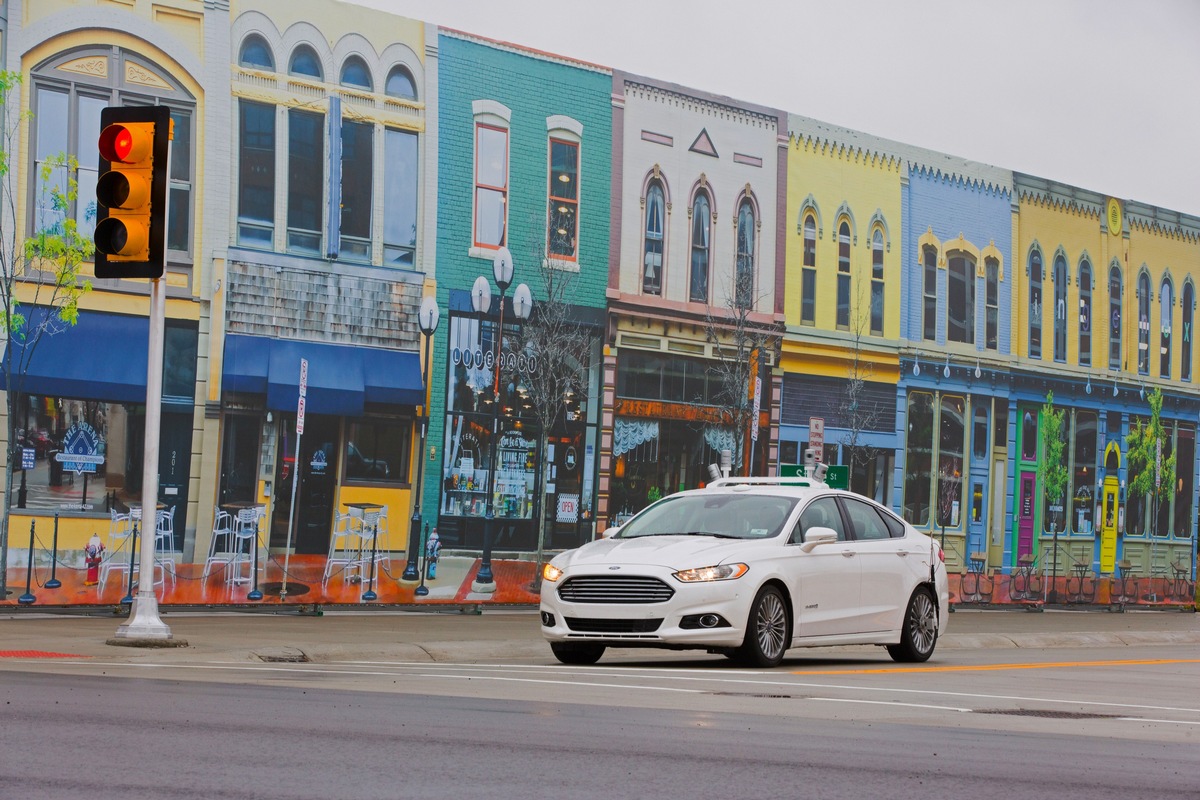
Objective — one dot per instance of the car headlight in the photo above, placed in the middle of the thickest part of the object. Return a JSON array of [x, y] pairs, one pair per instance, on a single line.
[[721, 572], [551, 573]]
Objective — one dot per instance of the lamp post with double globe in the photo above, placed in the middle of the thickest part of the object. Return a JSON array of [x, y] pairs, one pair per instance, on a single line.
[[427, 320], [481, 302]]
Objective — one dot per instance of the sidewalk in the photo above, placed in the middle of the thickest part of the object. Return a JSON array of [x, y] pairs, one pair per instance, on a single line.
[[503, 634]]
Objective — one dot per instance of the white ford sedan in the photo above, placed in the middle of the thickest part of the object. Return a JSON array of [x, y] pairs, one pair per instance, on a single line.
[[750, 567]]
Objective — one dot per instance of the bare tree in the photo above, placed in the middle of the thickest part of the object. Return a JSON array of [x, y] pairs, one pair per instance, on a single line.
[[558, 349], [38, 270], [740, 346], [861, 414]]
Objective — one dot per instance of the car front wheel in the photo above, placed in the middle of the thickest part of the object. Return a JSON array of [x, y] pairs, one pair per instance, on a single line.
[[577, 652], [767, 631], [920, 632]]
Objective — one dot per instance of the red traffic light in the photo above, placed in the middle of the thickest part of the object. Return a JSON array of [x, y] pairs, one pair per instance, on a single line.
[[128, 143]]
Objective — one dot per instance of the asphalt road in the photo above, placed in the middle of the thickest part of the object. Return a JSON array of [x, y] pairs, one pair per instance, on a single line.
[[1120, 722]]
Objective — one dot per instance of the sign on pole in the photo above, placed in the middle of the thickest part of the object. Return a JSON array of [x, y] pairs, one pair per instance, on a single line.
[[816, 437], [303, 395], [757, 408]]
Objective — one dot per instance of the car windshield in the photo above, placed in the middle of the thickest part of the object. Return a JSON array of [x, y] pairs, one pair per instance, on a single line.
[[734, 516]]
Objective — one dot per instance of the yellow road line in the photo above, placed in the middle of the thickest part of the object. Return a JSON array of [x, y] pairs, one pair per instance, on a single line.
[[986, 667]]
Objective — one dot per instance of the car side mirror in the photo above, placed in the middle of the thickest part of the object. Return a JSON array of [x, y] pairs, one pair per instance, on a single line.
[[817, 536], [608, 533]]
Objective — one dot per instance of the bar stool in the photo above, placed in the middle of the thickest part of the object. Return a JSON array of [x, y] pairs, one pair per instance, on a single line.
[[120, 534], [343, 547], [164, 542], [245, 533], [221, 547]]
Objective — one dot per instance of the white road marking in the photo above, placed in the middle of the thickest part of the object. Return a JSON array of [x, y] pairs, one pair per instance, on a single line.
[[567, 683]]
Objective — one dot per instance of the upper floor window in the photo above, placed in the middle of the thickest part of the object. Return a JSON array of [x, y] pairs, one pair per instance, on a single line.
[[1085, 313], [66, 103], [808, 274], [877, 283], [491, 185], [358, 157], [306, 181], [992, 303], [256, 167], [400, 180], [843, 285], [929, 272], [654, 242], [1143, 298], [356, 74], [960, 298], [400, 83], [1166, 305], [1035, 304], [563, 199], [744, 290], [256, 54], [305, 63], [1114, 318], [1060, 308], [1185, 347], [701, 245]]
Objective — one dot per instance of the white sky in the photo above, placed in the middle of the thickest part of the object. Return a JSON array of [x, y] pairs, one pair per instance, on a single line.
[[1100, 94]]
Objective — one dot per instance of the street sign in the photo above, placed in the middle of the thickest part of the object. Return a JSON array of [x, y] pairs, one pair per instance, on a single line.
[[304, 377], [28, 458], [300, 416], [757, 408], [816, 436]]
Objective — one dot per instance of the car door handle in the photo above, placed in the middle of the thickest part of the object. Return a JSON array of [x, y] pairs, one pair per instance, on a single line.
[[902, 553], [848, 554]]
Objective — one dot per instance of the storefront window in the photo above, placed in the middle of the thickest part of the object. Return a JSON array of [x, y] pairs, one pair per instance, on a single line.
[[1161, 508], [1184, 480], [239, 458], [1083, 487], [1135, 505], [1029, 435], [918, 458], [979, 438], [952, 433], [377, 450]]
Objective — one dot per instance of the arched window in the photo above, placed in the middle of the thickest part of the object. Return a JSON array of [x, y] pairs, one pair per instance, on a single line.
[[960, 298], [992, 321], [652, 251], [744, 291], [929, 262], [400, 83], [1085, 313], [1166, 305], [877, 283], [1060, 308], [305, 63], [1035, 304], [1114, 318], [808, 274], [1185, 347], [843, 285], [701, 244], [356, 74], [1143, 298], [256, 54]]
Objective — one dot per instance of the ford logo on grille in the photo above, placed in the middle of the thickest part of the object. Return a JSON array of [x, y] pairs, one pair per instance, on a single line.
[[614, 567]]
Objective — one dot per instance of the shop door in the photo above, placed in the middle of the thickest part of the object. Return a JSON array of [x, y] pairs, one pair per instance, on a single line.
[[1108, 527], [317, 489], [174, 468], [1025, 515]]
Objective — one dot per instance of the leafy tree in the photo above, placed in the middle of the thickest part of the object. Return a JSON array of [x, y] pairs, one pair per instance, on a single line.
[[37, 270], [1052, 469], [1145, 442], [860, 413]]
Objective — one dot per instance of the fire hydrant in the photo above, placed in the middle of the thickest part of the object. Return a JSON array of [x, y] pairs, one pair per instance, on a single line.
[[433, 549], [93, 553]]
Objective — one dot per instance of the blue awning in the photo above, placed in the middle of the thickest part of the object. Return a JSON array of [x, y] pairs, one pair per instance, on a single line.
[[342, 379], [101, 357]]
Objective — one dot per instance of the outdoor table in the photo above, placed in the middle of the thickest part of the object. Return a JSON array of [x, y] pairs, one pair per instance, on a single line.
[[364, 508]]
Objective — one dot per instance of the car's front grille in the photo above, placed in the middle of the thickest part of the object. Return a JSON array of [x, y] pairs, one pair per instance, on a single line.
[[615, 589], [612, 625]]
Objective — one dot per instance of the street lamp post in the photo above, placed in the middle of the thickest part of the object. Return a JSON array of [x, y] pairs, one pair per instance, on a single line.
[[427, 319], [481, 302]]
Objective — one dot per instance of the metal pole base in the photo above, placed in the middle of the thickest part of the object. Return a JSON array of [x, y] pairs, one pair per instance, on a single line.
[[411, 574], [144, 622]]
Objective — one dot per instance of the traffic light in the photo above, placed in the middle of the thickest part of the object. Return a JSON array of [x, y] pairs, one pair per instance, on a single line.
[[131, 192]]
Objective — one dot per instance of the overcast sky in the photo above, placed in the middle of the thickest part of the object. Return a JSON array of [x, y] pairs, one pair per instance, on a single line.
[[1099, 94]]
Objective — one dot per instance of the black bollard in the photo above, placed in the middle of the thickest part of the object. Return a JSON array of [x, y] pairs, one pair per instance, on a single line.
[[423, 590], [127, 600], [54, 582], [28, 598], [255, 593]]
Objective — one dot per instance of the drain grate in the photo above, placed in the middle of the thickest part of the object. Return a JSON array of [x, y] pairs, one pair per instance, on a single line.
[[1035, 712], [282, 655]]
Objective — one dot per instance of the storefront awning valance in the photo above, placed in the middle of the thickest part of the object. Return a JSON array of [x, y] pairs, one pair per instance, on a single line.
[[342, 379], [101, 357]]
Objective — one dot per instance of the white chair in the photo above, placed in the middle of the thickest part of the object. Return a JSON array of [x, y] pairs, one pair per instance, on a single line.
[[116, 557], [164, 542], [383, 538], [222, 547], [343, 547], [369, 543], [246, 543]]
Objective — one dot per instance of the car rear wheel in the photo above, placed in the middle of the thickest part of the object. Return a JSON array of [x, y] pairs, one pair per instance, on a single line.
[[768, 631], [920, 632], [577, 652]]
